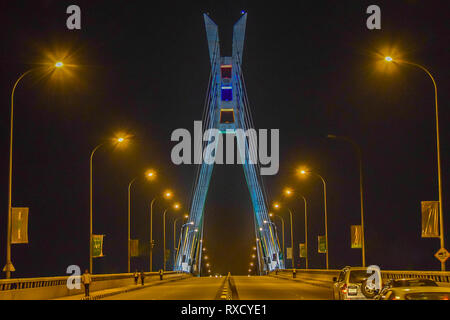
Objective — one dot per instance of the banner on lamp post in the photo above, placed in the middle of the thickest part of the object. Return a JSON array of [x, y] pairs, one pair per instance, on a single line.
[[97, 245], [134, 247], [322, 247], [356, 236], [302, 250], [430, 219], [19, 225], [288, 253]]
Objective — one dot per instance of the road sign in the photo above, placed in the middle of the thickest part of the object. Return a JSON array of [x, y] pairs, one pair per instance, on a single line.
[[442, 255], [9, 267]]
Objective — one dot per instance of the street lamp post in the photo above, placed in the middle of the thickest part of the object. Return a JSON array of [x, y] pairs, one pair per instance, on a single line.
[[150, 174], [292, 239], [289, 192], [118, 140], [175, 247], [306, 233], [359, 153], [282, 231], [277, 206], [176, 206], [438, 147], [90, 205], [129, 218], [9, 266], [325, 210], [167, 194]]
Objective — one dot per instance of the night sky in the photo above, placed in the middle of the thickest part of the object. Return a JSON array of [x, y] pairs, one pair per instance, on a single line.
[[142, 68]]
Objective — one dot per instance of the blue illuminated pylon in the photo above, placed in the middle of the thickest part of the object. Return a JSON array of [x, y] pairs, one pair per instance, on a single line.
[[227, 109]]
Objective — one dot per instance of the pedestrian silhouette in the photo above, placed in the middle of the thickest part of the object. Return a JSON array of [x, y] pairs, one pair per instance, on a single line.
[[86, 279]]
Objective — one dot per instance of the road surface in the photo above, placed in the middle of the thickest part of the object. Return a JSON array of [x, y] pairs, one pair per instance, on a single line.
[[246, 288], [205, 288]]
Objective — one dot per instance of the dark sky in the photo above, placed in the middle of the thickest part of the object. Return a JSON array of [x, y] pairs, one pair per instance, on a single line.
[[143, 68]]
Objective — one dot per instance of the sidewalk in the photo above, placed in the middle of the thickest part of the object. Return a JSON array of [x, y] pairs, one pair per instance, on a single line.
[[96, 295]]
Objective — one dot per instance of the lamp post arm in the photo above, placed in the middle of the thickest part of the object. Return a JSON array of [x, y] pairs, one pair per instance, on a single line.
[[438, 147]]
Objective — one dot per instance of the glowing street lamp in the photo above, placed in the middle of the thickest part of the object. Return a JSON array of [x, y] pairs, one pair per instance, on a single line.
[[438, 147], [289, 192], [175, 251], [149, 174], [305, 172], [167, 195], [59, 64], [9, 266], [176, 206], [116, 140], [278, 206]]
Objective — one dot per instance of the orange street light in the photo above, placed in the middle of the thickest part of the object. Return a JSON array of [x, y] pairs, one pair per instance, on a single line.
[[9, 266], [167, 194], [149, 174], [176, 206], [438, 148]]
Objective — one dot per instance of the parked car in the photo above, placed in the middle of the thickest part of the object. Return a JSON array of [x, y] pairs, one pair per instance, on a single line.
[[351, 284], [417, 293], [405, 283]]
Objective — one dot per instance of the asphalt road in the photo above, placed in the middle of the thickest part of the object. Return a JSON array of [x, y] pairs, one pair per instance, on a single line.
[[247, 288], [204, 288], [271, 288]]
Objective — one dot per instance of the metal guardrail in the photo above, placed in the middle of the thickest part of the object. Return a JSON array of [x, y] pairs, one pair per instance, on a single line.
[[26, 283], [438, 276]]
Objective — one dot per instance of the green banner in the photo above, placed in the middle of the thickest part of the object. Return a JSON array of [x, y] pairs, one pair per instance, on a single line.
[[322, 244], [302, 250], [97, 245]]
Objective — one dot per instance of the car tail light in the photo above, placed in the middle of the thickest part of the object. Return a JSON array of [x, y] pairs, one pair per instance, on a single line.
[[344, 288]]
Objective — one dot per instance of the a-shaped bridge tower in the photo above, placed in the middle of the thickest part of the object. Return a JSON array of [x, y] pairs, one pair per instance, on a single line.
[[227, 109]]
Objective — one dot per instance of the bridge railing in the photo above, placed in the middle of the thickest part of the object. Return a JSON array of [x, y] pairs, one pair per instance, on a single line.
[[325, 277], [26, 283], [54, 287]]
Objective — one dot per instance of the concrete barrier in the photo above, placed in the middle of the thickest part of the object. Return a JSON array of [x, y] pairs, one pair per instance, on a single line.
[[56, 287]]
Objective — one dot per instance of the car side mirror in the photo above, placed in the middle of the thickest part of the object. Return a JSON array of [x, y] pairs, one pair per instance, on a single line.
[[334, 279]]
